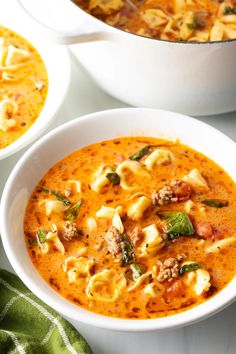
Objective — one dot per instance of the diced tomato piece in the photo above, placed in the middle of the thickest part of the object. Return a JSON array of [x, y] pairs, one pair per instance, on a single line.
[[175, 289], [182, 191], [204, 230], [218, 234]]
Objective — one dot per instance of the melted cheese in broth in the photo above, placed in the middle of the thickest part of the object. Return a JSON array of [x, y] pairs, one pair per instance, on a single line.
[[23, 86]]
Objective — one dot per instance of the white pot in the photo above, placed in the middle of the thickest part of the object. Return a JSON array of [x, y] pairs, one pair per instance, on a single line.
[[192, 78], [81, 132]]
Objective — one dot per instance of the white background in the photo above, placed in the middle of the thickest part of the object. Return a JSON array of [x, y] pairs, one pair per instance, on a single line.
[[216, 335]]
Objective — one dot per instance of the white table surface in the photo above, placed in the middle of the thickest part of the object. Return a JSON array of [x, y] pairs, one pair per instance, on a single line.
[[216, 335]]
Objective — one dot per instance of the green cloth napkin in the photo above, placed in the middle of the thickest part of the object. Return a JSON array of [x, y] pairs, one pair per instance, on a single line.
[[28, 326]]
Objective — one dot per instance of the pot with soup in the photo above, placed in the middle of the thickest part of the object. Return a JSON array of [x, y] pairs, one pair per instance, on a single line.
[[134, 228], [177, 55]]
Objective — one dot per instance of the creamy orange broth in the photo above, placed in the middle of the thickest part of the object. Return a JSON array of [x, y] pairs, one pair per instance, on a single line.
[[25, 85], [211, 224], [175, 20]]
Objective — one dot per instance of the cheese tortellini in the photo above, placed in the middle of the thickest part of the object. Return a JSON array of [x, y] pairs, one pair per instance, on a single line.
[[99, 180], [53, 206], [10, 59], [52, 241], [106, 286], [158, 157], [140, 281], [218, 245], [195, 179], [77, 268], [181, 25], [77, 184], [151, 290], [137, 209], [91, 225], [106, 6], [152, 241], [15, 56], [112, 213], [8, 109], [154, 18], [133, 167], [198, 280], [10, 56]]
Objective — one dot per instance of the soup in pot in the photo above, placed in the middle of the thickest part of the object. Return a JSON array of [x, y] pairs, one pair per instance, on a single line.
[[134, 227], [23, 86], [174, 20]]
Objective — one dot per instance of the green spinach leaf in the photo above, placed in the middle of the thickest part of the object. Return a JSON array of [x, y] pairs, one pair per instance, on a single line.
[[215, 203], [140, 154], [177, 224], [128, 256], [58, 195], [41, 235], [72, 213], [113, 177], [189, 268]]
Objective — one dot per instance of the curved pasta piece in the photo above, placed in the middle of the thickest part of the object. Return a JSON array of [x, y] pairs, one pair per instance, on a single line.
[[107, 7], [135, 195], [172, 25], [229, 19], [152, 242], [195, 179], [140, 281], [198, 280], [2, 50], [202, 281], [143, 32], [77, 184], [52, 241], [15, 56], [7, 76], [217, 31], [112, 213], [131, 166], [91, 225], [117, 223], [186, 29], [99, 178], [188, 206], [8, 108], [158, 157], [230, 31], [137, 209], [77, 268], [154, 18], [199, 36], [53, 206], [179, 5], [81, 251], [151, 290], [106, 286], [108, 212], [218, 245]]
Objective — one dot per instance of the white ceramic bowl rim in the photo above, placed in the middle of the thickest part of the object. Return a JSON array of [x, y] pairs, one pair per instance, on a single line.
[[212, 306]]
